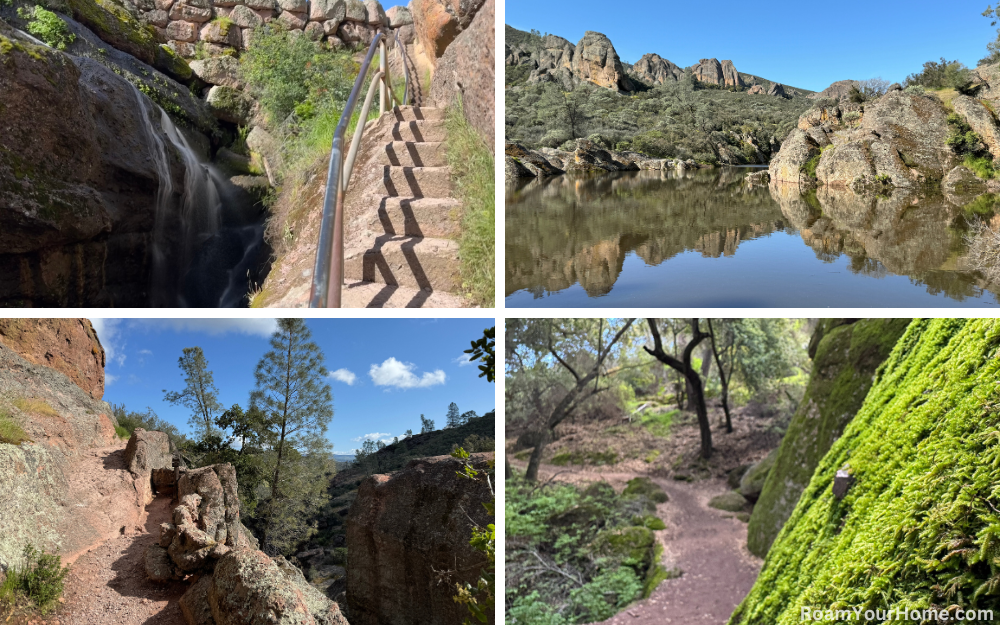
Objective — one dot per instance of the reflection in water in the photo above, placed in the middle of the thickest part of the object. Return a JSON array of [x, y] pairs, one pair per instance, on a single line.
[[565, 231]]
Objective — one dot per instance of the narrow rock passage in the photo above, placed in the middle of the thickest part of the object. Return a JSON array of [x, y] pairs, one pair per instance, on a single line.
[[108, 585], [710, 550]]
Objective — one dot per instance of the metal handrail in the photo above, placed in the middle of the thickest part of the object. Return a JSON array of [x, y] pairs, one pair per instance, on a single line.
[[328, 272]]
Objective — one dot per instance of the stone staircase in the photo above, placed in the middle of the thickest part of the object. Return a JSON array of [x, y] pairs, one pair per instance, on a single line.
[[411, 258]]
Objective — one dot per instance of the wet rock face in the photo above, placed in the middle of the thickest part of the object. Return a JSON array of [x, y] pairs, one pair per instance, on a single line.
[[410, 525], [847, 353], [70, 346], [77, 182]]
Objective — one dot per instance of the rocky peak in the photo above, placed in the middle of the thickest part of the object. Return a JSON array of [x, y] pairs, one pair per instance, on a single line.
[[596, 61], [713, 72], [653, 69], [70, 346], [777, 89]]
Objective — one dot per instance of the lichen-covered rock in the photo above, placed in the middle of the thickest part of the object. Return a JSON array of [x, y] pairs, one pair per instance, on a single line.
[[961, 186], [531, 161], [223, 33], [399, 16], [981, 120], [245, 17], [70, 346], [248, 588], [375, 13], [147, 450], [159, 567], [846, 358], [796, 150], [407, 526], [194, 602], [321, 10], [924, 451], [230, 105], [220, 70]]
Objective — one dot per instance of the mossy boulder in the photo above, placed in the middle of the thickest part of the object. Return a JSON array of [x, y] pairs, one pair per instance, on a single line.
[[918, 530], [632, 546], [845, 360], [230, 105], [646, 488], [752, 482], [117, 23], [730, 502]]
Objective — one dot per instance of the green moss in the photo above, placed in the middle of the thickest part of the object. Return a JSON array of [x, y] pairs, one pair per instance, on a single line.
[[650, 522], [645, 487], [632, 546], [47, 26], [656, 573], [597, 458], [920, 527], [845, 360], [652, 456], [730, 502], [658, 423], [224, 24]]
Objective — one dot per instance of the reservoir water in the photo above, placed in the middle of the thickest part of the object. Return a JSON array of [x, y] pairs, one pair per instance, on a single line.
[[709, 238]]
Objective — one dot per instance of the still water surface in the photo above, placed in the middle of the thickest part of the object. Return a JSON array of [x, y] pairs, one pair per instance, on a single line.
[[707, 239]]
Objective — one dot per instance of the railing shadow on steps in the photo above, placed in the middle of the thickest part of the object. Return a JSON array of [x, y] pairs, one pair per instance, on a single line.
[[328, 272]]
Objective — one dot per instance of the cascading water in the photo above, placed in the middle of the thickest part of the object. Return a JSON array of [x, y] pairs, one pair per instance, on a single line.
[[208, 242]]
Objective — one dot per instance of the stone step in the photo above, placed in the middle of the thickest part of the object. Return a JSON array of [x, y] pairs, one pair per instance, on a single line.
[[416, 262], [419, 131], [412, 113], [418, 217], [410, 154], [375, 295], [417, 181]]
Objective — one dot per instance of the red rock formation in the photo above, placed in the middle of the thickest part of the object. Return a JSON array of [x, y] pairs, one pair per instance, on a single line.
[[413, 529], [70, 346], [467, 69]]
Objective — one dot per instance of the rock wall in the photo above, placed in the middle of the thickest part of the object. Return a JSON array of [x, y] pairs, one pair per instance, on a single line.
[[413, 531], [68, 487], [652, 69], [846, 353], [70, 346], [713, 72], [911, 530], [467, 70]]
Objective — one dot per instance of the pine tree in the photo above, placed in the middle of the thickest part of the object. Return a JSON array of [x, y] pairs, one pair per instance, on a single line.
[[426, 425], [199, 395], [454, 417], [297, 402], [466, 416]]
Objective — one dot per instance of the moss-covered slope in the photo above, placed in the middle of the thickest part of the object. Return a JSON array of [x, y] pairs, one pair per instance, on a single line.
[[920, 527], [845, 355]]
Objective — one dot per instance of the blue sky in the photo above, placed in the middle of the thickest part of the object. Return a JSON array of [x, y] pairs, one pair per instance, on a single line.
[[385, 372], [802, 44]]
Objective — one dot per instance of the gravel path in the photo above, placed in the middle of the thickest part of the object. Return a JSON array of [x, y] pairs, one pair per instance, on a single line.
[[108, 585], [708, 548]]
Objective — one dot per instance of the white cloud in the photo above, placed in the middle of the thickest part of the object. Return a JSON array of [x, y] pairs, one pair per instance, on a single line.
[[401, 375], [109, 334], [145, 352], [344, 375], [374, 436], [109, 379], [214, 327], [463, 361]]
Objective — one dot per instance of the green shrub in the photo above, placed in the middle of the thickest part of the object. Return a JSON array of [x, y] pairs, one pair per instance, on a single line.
[[39, 580], [982, 166], [962, 139], [943, 75], [123, 432], [809, 167], [472, 166], [47, 26], [128, 421], [276, 69]]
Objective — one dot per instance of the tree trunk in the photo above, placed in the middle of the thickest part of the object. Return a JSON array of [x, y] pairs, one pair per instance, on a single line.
[[722, 379], [702, 410], [535, 460]]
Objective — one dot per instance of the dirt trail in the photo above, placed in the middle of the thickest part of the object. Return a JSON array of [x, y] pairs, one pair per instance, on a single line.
[[708, 548]]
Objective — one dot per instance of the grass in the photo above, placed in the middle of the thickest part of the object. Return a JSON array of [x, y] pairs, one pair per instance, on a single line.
[[658, 423], [38, 582], [472, 167], [34, 405], [12, 433], [596, 458]]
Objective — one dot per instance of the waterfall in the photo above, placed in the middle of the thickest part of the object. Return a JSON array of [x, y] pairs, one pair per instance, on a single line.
[[179, 230]]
